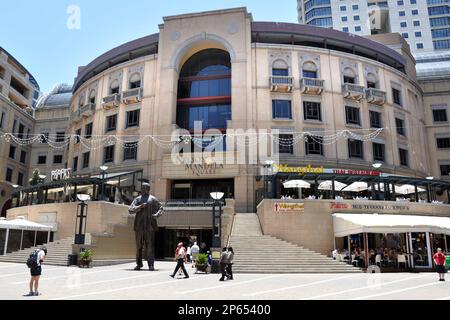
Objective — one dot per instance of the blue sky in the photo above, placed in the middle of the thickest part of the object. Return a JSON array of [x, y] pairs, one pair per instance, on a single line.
[[36, 33]]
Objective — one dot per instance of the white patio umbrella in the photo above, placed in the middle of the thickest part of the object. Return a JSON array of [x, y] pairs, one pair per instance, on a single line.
[[407, 189], [357, 186], [296, 184], [328, 185]]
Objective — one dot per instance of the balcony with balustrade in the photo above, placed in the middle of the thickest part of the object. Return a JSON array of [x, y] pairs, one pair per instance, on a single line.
[[311, 86], [111, 101], [353, 91], [87, 110], [375, 96], [281, 84], [75, 116], [132, 96]]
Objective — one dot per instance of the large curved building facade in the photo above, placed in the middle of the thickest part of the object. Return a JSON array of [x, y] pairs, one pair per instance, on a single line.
[[231, 72]]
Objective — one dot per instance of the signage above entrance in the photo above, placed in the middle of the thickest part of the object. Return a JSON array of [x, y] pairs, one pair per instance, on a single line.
[[60, 174], [284, 168]]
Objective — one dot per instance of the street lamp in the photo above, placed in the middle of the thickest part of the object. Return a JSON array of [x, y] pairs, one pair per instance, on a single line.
[[80, 225], [216, 219], [42, 178], [267, 181], [103, 169], [377, 165]]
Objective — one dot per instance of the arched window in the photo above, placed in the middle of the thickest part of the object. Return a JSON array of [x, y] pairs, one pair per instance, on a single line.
[[81, 100], [372, 81], [135, 81], [309, 70], [92, 96], [114, 87], [280, 68], [204, 90], [349, 76]]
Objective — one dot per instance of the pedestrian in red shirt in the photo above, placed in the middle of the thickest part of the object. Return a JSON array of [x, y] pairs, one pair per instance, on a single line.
[[439, 260]]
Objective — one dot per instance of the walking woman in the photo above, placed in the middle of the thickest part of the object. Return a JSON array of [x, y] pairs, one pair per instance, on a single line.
[[223, 263], [180, 257], [230, 256], [439, 260]]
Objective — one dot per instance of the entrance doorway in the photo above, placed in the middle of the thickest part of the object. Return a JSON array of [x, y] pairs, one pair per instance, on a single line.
[[420, 249], [201, 189], [167, 239]]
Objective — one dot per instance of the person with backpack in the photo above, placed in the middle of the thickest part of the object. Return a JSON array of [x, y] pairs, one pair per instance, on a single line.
[[180, 257], [34, 262]]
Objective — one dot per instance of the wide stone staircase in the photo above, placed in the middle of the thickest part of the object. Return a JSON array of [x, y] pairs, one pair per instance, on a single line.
[[57, 253], [258, 253]]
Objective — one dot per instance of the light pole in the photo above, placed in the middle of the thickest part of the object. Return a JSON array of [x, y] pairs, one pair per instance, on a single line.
[[216, 219], [376, 166], [103, 168], [267, 181], [80, 225]]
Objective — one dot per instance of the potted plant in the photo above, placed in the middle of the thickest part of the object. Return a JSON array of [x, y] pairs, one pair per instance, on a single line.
[[201, 264], [85, 258]]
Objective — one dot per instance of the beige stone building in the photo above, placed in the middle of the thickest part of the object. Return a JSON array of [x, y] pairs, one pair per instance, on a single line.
[[18, 93], [288, 77]]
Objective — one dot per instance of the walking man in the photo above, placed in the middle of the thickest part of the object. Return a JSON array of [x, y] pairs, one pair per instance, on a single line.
[[36, 271], [439, 260], [180, 257], [230, 257], [223, 263], [147, 209]]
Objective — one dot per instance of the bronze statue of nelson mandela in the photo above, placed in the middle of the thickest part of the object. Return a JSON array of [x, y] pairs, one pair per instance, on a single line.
[[147, 209]]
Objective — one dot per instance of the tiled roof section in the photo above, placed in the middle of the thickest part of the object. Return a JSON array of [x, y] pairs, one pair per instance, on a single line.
[[334, 38], [130, 50]]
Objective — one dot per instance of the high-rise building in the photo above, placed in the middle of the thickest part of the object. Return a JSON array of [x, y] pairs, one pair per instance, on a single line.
[[425, 25]]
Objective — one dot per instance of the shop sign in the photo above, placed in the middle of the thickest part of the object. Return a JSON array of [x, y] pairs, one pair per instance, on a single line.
[[203, 169], [286, 206], [284, 168], [60, 174], [369, 207]]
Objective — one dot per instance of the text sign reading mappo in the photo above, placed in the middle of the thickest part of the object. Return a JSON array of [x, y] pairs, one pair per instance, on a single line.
[[61, 174], [286, 206]]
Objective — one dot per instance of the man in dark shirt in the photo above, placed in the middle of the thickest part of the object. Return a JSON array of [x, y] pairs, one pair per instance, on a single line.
[[147, 209]]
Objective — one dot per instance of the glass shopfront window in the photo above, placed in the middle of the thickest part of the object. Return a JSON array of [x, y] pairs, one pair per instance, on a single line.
[[212, 116], [419, 242]]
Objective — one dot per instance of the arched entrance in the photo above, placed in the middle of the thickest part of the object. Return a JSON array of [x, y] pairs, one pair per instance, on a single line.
[[6, 207]]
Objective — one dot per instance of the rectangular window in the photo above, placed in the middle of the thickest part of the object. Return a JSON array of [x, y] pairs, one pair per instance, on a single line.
[[86, 156], [416, 23], [375, 119], [20, 179], [378, 151], [413, 1], [345, 29], [44, 137], [314, 145], [443, 143], [355, 7], [42, 159], [111, 123], [57, 159], [2, 119], [415, 12], [23, 156], [440, 115], [130, 151], [88, 131], [419, 45], [281, 109], [60, 136], [357, 28], [348, 79], [343, 8], [356, 18], [14, 127], [418, 34], [371, 84], [403, 155], [355, 149], [75, 164], [396, 96], [400, 124], [12, 152], [403, 24], [285, 144], [310, 74], [405, 35], [108, 154], [9, 174], [21, 131], [445, 169], [352, 115], [344, 19], [78, 135], [312, 111], [280, 72], [401, 13], [400, 2], [133, 118]]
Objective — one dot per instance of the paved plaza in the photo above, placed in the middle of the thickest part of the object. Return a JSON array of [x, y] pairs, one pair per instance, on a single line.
[[121, 282]]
